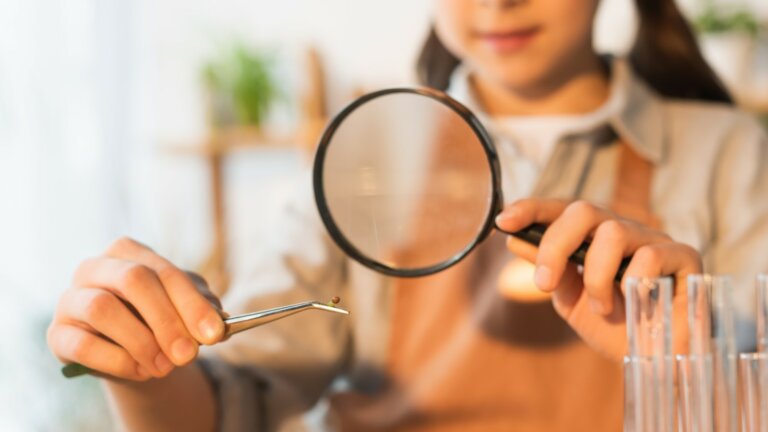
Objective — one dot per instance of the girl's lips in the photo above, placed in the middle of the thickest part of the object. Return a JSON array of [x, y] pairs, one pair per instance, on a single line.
[[508, 41]]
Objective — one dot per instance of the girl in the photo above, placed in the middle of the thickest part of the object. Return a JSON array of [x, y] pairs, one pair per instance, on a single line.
[[630, 153]]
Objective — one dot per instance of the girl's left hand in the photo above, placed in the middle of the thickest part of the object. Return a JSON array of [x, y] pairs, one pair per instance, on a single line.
[[589, 299]]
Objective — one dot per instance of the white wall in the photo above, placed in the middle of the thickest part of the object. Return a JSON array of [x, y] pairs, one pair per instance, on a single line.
[[347, 32]]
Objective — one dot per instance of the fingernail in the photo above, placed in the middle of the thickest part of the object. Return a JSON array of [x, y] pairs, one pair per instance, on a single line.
[[162, 363], [543, 277], [183, 350], [596, 306], [143, 373], [211, 327]]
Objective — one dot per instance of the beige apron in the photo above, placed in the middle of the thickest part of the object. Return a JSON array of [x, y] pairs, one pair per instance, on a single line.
[[464, 358]]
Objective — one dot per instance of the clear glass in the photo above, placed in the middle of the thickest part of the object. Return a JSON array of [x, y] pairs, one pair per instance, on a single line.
[[753, 391], [694, 392], [649, 366], [711, 331], [649, 316], [407, 181], [761, 285]]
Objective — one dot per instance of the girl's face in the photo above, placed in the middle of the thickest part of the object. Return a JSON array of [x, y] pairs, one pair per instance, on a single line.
[[523, 45]]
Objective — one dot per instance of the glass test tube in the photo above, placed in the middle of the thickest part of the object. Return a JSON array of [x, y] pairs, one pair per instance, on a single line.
[[648, 367], [753, 391], [694, 393], [761, 285], [712, 334], [694, 379], [753, 368]]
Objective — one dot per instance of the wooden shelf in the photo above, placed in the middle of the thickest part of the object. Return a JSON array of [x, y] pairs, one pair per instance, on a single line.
[[221, 142], [227, 140]]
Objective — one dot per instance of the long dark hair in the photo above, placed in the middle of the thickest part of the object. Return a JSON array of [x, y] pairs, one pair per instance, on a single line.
[[665, 54]]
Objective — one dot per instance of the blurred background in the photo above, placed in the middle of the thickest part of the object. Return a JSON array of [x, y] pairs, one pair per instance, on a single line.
[[186, 124]]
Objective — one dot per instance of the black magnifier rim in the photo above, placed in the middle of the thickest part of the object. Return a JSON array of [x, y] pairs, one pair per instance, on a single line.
[[324, 210]]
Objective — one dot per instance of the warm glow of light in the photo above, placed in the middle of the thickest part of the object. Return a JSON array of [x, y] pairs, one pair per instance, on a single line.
[[516, 282]]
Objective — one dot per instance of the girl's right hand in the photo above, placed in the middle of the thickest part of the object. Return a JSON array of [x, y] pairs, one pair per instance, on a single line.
[[132, 314]]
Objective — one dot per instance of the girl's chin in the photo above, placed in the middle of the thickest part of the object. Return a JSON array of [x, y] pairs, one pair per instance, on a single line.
[[518, 77]]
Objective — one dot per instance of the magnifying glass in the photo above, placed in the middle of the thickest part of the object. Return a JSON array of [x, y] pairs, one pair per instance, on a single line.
[[407, 182]]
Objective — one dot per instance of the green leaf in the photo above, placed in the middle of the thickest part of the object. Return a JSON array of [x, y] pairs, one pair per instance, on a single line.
[[716, 19], [243, 76]]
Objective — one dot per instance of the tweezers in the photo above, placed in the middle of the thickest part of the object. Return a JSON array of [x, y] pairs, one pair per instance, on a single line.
[[235, 324]]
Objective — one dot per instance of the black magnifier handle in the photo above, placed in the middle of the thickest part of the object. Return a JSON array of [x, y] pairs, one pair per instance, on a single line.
[[534, 232]]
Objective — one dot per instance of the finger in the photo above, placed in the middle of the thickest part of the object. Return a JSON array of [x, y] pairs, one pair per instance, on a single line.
[[613, 240], [200, 317], [562, 238], [106, 314], [664, 259], [673, 259], [124, 244], [522, 213], [74, 344], [522, 248], [570, 292], [680, 330], [202, 287], [140, 287]]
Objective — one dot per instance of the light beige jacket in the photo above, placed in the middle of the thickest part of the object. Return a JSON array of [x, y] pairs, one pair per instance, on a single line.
[[710, 190]]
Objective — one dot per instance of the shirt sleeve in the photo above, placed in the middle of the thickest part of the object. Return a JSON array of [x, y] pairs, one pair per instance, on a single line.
[[268, 376], [740, 210]]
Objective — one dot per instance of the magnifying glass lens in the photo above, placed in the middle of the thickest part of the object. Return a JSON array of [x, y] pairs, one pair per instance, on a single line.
[[404, 183]]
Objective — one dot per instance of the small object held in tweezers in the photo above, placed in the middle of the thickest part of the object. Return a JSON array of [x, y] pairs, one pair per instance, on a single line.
[[238, 323]]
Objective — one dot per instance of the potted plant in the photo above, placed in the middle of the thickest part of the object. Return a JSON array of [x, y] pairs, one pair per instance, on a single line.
[[727, 37], [240, 87]]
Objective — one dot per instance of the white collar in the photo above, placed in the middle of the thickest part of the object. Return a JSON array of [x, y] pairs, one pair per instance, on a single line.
[[635, 109]]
